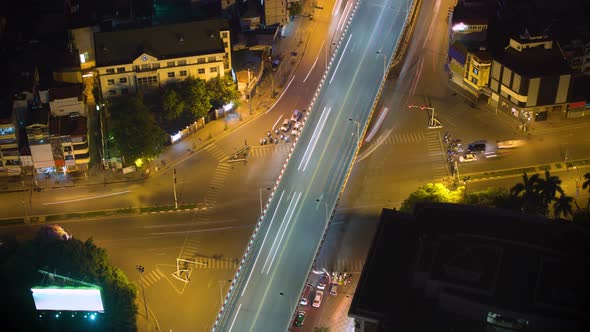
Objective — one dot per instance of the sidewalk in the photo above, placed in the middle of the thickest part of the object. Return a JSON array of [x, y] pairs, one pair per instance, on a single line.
[[295, 40]]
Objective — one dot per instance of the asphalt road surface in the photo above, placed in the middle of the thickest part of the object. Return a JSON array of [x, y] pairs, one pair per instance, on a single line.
[[268, 286]]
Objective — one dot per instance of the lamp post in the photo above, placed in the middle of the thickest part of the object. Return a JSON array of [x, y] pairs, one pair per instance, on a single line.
[[358, 128], [384, 63], [465, 180], [260, 197], [141, 269], [174, 187]]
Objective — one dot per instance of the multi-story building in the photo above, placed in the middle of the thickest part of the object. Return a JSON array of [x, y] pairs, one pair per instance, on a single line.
[[530, 79], [577, 53], [37, 129], [69, 137], [477, 71], [275, 13], [128, 61], [9, 152]]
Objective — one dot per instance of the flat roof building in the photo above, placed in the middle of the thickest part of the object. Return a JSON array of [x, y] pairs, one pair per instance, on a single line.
[[461, 268]]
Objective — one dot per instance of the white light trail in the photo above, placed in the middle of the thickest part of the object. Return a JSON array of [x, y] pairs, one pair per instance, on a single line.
[[341, 56]]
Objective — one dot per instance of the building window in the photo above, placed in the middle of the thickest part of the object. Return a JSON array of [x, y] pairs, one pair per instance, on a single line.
[[121, 70], [201, 60], [110, 82], [224, 35], [225, 44], [111, 71], [112, 92], [146, 67], [171, 74], [201, 71], [170, 64], [83, 57], [124, 91], [182, 62], [155, 65], [183, 73], [211, 59], [213, 69], [147, 82], [475, 71], [474, 80], [123, 80]]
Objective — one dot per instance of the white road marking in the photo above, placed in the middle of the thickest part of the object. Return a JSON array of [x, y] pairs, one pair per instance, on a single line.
[[317, 139], [204, 230], [336, 6], [87, 198], [341, 56], [236, 316], [312, 67], [276, 237], [343, 17], [263, 241], [283, 234], [279, 119], [281, 96], [315, 132], [375, 128]]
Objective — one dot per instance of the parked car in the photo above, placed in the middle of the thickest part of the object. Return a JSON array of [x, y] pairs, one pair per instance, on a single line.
[[297, 115], [299, 319], [476, 147], [296, 128], [317, 301], [305, 296], [286, 126], [334, 289], [467, 157]]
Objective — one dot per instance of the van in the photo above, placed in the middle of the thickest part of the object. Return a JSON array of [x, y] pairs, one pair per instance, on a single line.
[[334, 289], [317, 301], [476, 147], [305, 296]]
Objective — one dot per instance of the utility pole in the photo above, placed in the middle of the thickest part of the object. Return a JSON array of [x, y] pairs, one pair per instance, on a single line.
[[433, 123], [141, 269], [174, 186]]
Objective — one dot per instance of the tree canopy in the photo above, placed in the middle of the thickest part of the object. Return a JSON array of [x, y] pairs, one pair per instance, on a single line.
[[196, 97], [134, 130], [432, 192], [75, 259], [222, 90]]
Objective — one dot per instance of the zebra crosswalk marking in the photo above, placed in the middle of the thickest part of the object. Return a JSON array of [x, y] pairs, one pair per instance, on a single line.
[[216, 152], [405, 138], [216, 182], [151, 278], [342, 265], [265, 151]]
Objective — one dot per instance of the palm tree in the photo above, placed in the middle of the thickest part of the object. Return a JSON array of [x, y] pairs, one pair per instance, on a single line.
[[563, 206], [548, 189], [586, 185], [528, 193]]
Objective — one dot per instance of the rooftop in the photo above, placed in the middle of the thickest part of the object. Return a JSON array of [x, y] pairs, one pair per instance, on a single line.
[[162, 42], [449, 265], [534, 61], [67, 125], [64, 92]]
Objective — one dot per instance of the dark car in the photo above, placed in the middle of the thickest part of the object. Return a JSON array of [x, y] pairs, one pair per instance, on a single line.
[[476, 147], [299, 319]]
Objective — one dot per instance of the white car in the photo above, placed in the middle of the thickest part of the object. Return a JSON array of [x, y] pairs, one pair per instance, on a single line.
[[296, 128], [286, 126], [467, 157], [317, 301]]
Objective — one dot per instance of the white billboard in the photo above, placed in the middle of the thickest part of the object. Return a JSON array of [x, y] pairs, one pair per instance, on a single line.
[[68, 299]]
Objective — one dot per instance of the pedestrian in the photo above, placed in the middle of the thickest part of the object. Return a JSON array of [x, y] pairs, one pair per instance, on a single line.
[[268, 133], [277, 131], [245, 142]]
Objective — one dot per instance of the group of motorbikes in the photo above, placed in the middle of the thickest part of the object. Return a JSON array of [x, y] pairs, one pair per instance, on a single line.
[[269, 139], [454, 149]]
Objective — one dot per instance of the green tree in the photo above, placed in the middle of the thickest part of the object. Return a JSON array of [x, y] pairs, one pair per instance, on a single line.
[[548, 188], [586, 185], [527, 194], [562, 206], [134, 129], [296, 8], [432, 192], [172, 105], [194, 95], [80, 260], [489, 197], [222, 90]]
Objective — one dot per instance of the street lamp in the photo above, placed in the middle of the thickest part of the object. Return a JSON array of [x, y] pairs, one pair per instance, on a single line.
[[465, 180], [141, 269], [174, 187], [260, 197], [290, 301], [384, 63], [358, 128]]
